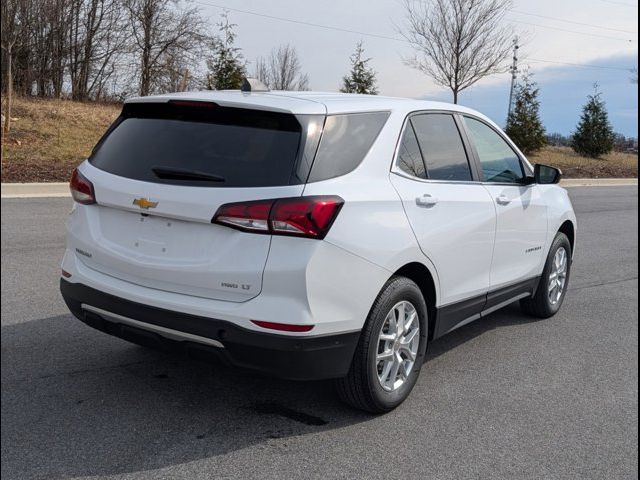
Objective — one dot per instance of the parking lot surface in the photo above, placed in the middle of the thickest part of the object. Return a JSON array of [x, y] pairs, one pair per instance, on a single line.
[[504, 397]]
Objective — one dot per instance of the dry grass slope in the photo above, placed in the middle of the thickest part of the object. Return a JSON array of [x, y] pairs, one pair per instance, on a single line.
[[50, 137], [613, 165]]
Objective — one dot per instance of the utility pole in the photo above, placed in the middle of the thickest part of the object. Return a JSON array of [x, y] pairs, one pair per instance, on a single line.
[[514, 72]]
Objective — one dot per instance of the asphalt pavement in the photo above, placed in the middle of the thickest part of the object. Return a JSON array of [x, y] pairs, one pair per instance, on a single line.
[[504, 397]]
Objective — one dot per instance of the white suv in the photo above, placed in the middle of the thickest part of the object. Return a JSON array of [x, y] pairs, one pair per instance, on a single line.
[[311, 235]]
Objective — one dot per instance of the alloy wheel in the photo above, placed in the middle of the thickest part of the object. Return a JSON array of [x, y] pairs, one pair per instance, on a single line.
[[558, 275], [398, 344]]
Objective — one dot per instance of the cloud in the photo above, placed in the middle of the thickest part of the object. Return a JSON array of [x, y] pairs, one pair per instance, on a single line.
[[563, 91]]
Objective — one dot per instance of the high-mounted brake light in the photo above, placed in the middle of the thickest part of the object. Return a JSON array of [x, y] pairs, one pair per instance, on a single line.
[[192, 104], [82, 189], [309, 217]]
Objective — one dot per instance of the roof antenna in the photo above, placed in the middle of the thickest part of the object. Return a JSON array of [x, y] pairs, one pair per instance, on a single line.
[[253, 85]]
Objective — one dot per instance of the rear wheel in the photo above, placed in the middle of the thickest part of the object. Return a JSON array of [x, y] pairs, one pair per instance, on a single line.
[[554, 281], [391, 349]]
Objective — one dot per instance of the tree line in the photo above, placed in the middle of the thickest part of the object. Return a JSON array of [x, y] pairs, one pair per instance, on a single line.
[[111, 49]]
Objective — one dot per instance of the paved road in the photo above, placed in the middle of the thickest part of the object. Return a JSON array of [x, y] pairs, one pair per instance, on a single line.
[[507, 397]]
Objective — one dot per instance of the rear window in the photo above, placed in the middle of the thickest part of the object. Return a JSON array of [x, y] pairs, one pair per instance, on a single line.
[[345, 142], [223, 147]]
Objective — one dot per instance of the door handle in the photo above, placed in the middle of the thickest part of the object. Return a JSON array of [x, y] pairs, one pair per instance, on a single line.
[[503, 200], [426, 201]]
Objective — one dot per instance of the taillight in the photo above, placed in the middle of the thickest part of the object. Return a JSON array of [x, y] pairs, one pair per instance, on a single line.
[[250, 216], [82, 189], [305, 216], [309, 217]]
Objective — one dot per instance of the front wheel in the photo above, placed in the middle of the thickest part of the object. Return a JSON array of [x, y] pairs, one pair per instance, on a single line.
[[391, 349], [554, 281]]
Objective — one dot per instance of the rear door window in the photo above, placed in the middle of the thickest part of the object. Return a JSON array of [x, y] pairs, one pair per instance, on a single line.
[[234, 147], [442, 148], [345, 142]]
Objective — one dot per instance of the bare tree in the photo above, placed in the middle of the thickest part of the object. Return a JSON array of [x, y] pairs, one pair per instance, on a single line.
[[10, 31], [261, 71], [282, 70], [97, 35], [160, 27], [39, 54], [458, 42], [634, 75]]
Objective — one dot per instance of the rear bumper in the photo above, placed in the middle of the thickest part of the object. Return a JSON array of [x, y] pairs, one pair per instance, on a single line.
[[290, 357]]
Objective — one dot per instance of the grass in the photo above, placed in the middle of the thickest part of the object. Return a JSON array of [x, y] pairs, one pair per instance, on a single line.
[[612, 165], [48, 138]]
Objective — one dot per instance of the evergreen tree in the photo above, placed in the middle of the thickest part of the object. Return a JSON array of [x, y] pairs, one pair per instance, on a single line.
[[524, 126], [594, 135], [227, 67], [361, 78]]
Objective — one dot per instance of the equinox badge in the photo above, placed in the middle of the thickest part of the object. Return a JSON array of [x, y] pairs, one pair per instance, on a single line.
[[145, 203]]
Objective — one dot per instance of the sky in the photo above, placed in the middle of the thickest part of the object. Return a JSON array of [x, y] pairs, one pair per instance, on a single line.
[[557, 36]]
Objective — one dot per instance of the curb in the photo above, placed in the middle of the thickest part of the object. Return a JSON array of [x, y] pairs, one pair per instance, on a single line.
[[598, 182], [59, 190], [35, 190]]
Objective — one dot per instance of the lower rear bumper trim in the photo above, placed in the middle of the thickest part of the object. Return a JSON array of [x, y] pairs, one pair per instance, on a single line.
[[165, 332], [284, 356]]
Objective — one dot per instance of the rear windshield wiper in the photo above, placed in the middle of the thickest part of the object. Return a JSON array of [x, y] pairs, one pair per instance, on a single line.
[[170, 173]]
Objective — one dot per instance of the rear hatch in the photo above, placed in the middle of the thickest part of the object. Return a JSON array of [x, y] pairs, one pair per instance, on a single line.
[[160, 174]]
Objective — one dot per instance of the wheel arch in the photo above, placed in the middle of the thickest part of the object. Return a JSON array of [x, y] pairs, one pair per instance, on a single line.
[[569, 229], [421, 276]]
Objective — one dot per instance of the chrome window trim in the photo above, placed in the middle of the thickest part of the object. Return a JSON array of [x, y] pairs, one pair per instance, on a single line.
[[402, 173]]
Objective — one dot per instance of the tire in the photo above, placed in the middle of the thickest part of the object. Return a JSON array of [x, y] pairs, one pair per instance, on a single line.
[[362, 388], [541, 305]]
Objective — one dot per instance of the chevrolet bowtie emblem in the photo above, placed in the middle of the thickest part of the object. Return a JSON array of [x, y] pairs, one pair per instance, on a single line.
[[145, 203]]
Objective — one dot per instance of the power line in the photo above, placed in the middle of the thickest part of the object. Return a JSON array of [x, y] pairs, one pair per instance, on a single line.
[[595, 35], [582, 65], [620, 3], [301, 22], [572, 22], [377, 35], [387, 37]]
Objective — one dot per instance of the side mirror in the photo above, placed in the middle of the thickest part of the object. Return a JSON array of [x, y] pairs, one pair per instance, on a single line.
[[546, 175]]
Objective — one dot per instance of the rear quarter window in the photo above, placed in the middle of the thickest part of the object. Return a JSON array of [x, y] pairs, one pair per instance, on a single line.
[[345, 142]]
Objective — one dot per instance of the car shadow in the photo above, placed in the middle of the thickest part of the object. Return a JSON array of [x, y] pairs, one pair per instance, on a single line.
[[508, 316], [76, 402]]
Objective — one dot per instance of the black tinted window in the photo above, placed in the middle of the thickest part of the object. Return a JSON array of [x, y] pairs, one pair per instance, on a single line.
[[409, 156], [345, 142], [442, 147], [245, 148], [499, 162]]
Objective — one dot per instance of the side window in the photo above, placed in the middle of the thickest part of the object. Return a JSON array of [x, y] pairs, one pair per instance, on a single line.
[[442, 147], [499, 162], [409, 156], [345, 142]]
